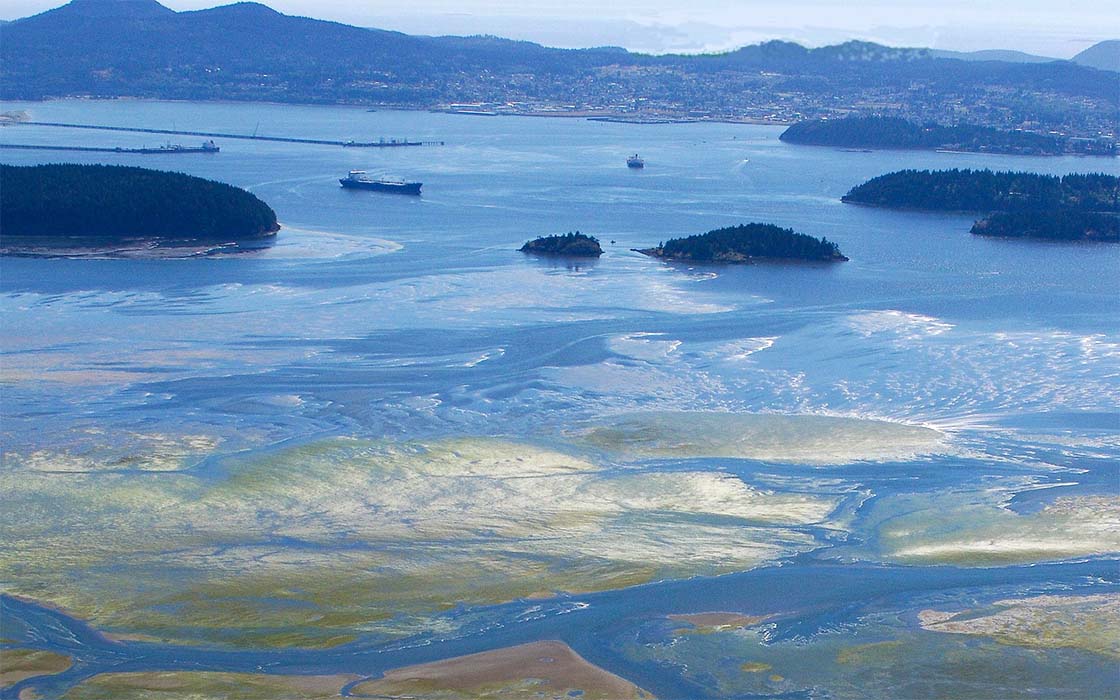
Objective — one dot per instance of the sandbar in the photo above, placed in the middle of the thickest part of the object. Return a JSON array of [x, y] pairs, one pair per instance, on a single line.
[[719, 620], [545, 669]]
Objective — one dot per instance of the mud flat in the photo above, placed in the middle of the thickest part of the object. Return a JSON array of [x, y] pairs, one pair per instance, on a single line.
[[547, 669], [312, 545], [800, 439], [718, 621], [194, 685], [1045, 622], [985, 534], [19, 664]]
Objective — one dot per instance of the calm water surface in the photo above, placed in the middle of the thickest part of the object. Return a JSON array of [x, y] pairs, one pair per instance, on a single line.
[[260, 458]]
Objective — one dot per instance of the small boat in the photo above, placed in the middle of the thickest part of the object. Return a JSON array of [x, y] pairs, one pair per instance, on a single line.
[[635, 161], [359, 180]]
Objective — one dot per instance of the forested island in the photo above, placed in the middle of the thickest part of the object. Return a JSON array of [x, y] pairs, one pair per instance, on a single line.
[[1063, 225], [898, 133], [107, 204], [987, 191], [573, 245], [747, 243], [1018, 205]]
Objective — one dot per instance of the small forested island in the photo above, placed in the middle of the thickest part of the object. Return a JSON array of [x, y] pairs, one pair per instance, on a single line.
[[572, 245], [1016, 205], [1062, 224], [898, 133], [985, 191], [747, 243], [108, 204]]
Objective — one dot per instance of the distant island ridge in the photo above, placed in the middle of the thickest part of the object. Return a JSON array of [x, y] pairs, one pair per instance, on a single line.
[[875, 131], [572, 244], [747, 243], [1015, 204], [1104, 55], [97, 204], [250, 52], [1059, 225]]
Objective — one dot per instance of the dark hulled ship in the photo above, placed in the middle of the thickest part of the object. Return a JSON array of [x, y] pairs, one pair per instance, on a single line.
[[359, 180]]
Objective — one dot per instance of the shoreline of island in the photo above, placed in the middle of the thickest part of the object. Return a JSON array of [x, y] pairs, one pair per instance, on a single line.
[[68, 208], [747, 244], [1074, 207]]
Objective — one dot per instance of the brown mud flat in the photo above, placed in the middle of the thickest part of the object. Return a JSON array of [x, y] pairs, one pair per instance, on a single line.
[[719, 620], [20, 664], [546, 669]]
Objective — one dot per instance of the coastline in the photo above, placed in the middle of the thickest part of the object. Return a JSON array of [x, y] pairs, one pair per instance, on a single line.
[[92, 248], [604, 115], [859, 148], [738, 259]]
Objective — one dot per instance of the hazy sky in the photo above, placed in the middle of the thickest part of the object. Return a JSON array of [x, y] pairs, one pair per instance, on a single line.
[[1045, 27]]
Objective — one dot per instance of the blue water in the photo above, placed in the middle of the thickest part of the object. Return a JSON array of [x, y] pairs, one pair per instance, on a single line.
[[416, 320]]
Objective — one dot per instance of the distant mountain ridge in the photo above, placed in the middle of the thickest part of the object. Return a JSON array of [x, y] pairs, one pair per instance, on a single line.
[[1005, 55], [115, 8], [1104, 55], [248, 51]]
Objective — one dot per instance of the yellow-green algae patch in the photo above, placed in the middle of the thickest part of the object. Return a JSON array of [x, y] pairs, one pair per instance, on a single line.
[[754, 667], [881, 657], [983, 534], [871, 654], [547, 670], [313, 545], [207, 685], [800, 439], [1089, 623], [20, 664]]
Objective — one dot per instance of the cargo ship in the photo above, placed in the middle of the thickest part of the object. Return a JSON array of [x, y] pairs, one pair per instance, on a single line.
[[359, 180], [635, 161], [174, 148], [206, 147]]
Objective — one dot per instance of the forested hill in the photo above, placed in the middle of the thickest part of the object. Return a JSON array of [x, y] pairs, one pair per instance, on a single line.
[[247, 51], [746, 243], [1064, 225], [116, 203], [987, 191], [894, 132], [1016, 205]]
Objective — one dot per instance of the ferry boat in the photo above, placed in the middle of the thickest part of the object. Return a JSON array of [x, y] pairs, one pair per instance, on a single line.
[[635, 162], [359, 180]]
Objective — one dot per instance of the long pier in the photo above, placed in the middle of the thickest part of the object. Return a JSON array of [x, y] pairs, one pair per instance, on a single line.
[[96, 149], [382, 143]]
